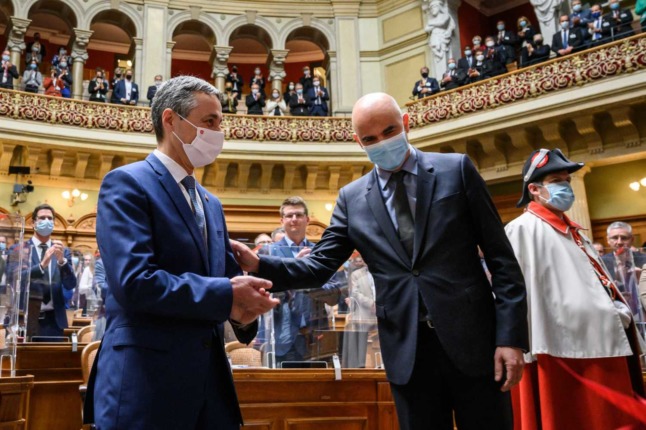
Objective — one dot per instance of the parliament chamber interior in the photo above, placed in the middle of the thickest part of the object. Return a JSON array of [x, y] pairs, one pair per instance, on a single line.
[[79, 77]]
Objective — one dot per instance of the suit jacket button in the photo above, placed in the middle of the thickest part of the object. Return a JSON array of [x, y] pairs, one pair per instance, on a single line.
[[415, 272]]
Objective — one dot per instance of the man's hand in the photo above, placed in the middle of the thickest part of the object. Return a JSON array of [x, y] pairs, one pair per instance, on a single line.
[[511, 360], [304, 252], [246, 258], [58, 251], [250, 298]]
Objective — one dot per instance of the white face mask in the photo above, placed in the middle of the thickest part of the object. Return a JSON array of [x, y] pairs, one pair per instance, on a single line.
[[206, 146]]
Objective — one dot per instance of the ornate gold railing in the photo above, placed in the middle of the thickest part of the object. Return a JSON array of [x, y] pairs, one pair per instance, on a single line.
[[56, 110], [578, 69]]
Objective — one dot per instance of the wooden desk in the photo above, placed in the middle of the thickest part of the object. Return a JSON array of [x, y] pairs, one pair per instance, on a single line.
[[295, 399], [14, 401]]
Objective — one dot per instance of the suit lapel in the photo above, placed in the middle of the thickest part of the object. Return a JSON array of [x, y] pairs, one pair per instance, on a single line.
[[425, 190], [378, 207], [177, 197], [213, 249]]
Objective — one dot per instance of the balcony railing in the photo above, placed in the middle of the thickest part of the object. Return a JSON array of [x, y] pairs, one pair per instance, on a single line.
[[578, 69], [616, 58]]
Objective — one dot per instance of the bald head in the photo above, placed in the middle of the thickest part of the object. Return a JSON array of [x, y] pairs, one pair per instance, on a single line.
[[375, 117]]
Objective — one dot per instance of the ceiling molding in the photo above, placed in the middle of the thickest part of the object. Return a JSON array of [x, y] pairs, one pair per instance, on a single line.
[[501, 7]]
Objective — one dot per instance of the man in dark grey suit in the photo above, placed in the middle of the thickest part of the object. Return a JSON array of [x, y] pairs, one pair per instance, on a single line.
[[449, 345]]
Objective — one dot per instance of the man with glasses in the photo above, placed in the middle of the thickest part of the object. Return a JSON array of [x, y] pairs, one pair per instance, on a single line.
[[620, 239], [51, 274]]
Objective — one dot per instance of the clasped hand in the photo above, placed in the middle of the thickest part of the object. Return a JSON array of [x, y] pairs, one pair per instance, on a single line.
[[250, 298], [55, 250]]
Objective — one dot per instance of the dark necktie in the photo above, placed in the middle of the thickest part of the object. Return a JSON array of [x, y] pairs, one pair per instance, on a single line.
[[47, 294], [189, 184], [403, 213]]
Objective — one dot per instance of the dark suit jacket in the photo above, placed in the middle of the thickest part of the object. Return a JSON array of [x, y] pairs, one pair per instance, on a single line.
[[609, 261], [311, 97], [62, 278], [454, 214], [463, 63], [119, 91], [297, 108], [97, 94], [12, 73], [613, 29], [254, 107], [430, 83], [541, 53], [508, 44], [168, 298], [459, 77], [576, 39], [585, 17], [150, 95]]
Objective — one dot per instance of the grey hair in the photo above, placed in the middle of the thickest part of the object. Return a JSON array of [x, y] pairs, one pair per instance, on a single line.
[[178, 95], [620, 224]]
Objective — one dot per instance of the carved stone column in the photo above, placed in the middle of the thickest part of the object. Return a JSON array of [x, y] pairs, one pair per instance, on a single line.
[[221, 65], [169, 58], [579, 212], [79, 56], [138, 63], [16, 42], [277, 68]]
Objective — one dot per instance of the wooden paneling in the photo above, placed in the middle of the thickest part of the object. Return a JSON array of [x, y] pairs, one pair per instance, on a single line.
[[295, 399]]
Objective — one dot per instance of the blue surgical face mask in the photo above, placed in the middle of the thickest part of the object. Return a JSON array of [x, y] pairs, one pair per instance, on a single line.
[[467, 52], [596, 15], [501, 27], [451, 66], [33, 66], [3, 246], [6, 58], [614, 6], [561, 195], [44, 227], [577, 8], [389, 154], [523, 23], [565, 25], [75, 261]]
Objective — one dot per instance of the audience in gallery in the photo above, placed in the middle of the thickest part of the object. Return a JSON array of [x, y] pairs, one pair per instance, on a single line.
[[32, 78], [229, 99], [9, 71], [126, 91], [427, 86], [35, 50], [454, 77], [255, 101], [506, 42], [117, 76], [298, 103], [317, 97]]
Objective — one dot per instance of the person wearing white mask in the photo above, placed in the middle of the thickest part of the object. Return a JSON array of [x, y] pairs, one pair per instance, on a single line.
[[578, 320], [317, 98], [276, 105], [173, 281], [258, 79], [255, 101], [52, 275], [417, 219]]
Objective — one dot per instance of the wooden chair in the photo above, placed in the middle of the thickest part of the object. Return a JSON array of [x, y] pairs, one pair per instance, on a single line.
[[242, 354], [87, 360], [86, 334]]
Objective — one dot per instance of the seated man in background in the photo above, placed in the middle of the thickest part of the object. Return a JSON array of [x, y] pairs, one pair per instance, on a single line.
[[535, 52], [426, 86], [578, 321], [454, 77]]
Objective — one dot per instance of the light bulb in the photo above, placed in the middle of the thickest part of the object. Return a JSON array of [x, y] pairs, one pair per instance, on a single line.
[[634, 186], [76, 192], [83, 196], [643, 182], [66, 195]]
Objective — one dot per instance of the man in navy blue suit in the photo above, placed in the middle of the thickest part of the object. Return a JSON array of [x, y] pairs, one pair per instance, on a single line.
[[51, 273], [452, 343], [126, 91], [317, 97], [172, 280]]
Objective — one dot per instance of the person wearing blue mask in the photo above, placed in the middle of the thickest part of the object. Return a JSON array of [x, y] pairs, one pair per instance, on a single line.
[[580, 16], [32, 78], [8, 71], [568, 39], [507, 41], [454, 77], [52, 276], [618, 22], [417, 219], [578, 320]]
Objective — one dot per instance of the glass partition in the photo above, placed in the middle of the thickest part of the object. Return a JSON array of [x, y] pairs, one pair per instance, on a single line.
[[17, 303], [312, 327]]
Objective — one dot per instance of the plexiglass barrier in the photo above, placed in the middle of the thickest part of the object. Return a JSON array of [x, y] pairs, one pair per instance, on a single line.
[[310, 327], [15, 303]]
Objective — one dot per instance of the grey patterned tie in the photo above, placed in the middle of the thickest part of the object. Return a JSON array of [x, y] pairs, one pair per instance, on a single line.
[[189, 184], [403, 213]]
